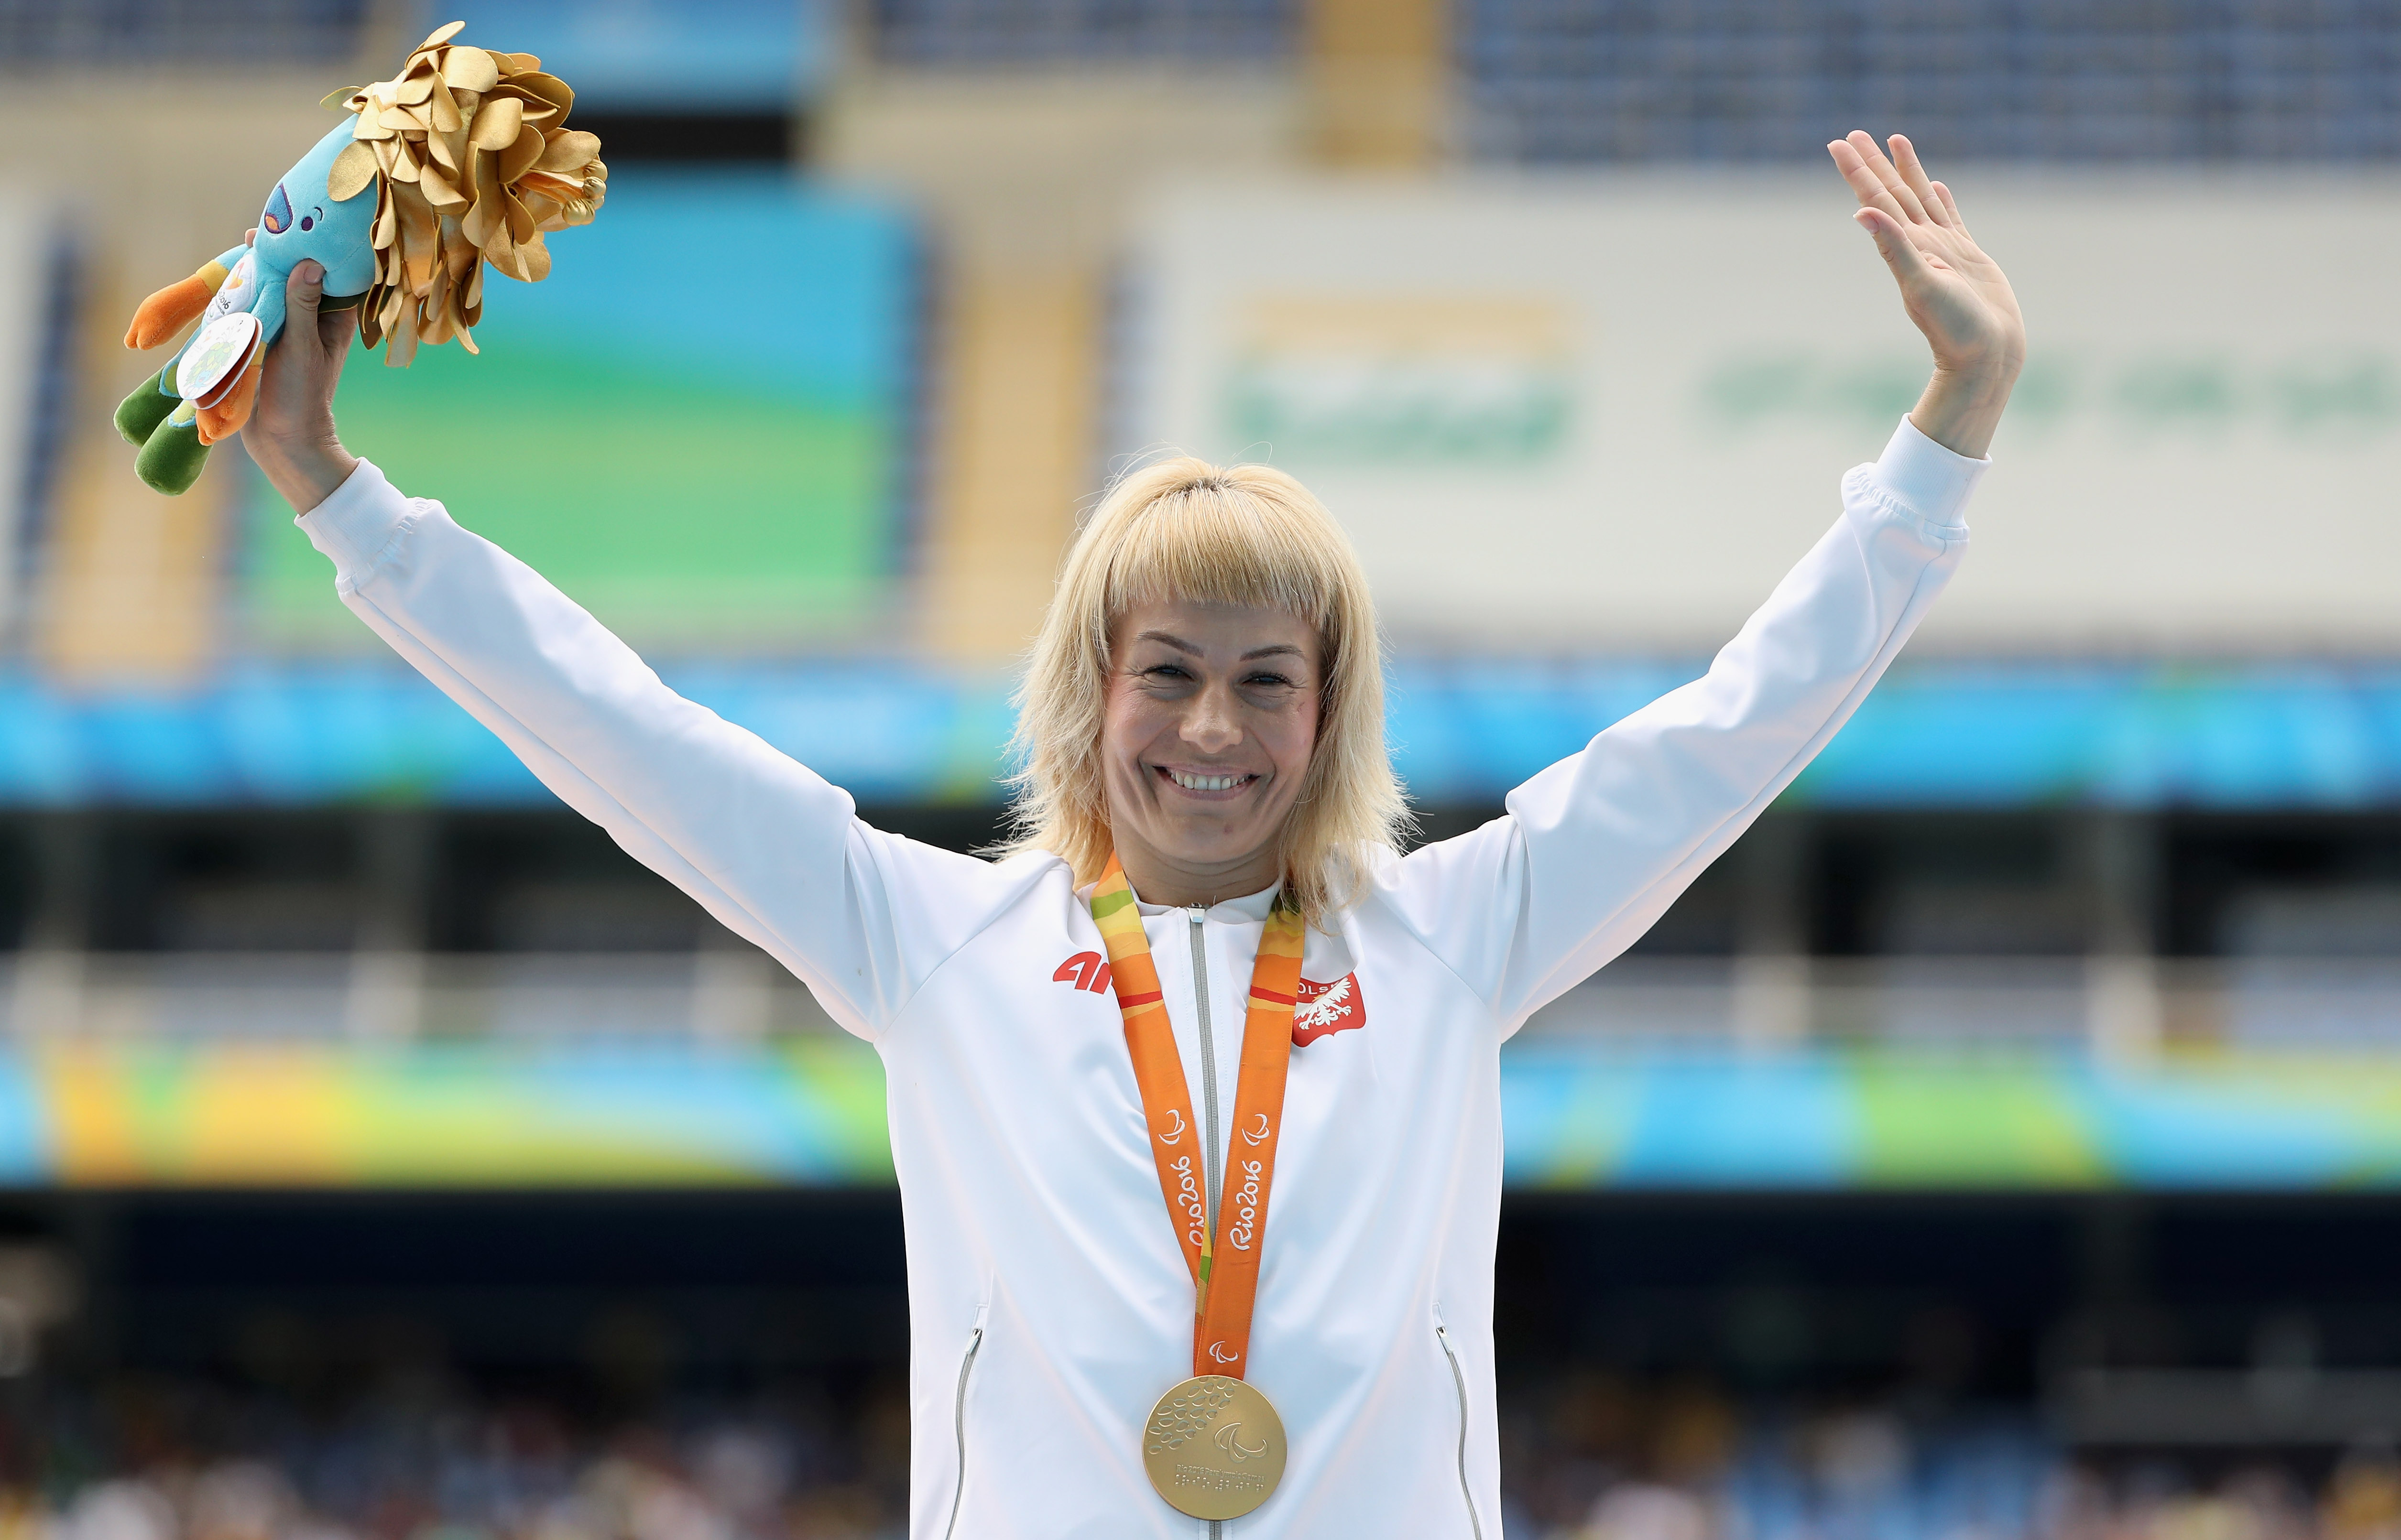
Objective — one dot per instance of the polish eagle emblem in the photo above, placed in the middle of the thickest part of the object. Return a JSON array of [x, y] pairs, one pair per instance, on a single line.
[[1319, 1009]]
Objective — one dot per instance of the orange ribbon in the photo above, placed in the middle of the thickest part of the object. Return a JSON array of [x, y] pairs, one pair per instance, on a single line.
[[1225, 1266]]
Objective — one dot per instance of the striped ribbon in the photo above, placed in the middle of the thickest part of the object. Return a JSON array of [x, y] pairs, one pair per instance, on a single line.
[[1225, 1266]]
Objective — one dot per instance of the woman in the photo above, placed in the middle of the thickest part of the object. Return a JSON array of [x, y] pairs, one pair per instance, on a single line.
[[1115, 1332]]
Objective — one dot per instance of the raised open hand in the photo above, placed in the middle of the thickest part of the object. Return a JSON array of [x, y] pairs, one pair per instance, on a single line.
[[1952, 291]]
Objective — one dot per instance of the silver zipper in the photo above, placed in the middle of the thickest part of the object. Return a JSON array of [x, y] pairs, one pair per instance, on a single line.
[[1459, 1379], [959, 1428], [1208, 1062], [1208, 1091]]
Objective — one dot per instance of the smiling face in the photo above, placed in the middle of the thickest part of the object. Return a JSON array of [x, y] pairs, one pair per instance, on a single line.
[[1208, 729]]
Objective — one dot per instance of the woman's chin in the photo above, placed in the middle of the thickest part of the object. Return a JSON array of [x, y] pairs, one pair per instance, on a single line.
[[1220, 855], [1206, 839]]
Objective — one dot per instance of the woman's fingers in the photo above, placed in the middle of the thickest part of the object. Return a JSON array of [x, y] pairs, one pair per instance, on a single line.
[[301, 292], [1913, 172], [334, 330], [1942, 190], [1953, 293], [290, 434], [1874, 156], [1900, 252], [327, 334], [306, 362], [1871, 191]]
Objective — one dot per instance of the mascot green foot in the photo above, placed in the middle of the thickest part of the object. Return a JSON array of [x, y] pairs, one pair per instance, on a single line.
[[172, 456], [167, 429], [140, 414]]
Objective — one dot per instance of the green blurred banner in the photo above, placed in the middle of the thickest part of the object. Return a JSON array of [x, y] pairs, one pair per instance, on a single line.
[[696, 426]]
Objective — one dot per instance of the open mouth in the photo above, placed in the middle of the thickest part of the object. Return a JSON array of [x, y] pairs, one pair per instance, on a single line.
[[1230, 781]]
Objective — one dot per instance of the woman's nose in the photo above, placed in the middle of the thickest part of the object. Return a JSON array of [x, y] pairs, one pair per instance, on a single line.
[[1211, 726]]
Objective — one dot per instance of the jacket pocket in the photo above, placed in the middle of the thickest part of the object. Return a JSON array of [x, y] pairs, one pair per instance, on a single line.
[[1458, 1383], [959, 1417]]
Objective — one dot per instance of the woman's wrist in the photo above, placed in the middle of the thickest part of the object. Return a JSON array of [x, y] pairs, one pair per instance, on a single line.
[[1961, 408], [307, 472]]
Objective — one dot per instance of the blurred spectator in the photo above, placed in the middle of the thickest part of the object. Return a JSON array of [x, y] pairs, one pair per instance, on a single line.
[[2364, 1500], [1639, 1510], [1593, 1456]]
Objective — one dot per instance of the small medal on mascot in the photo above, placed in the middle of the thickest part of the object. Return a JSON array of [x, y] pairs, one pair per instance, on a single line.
[[461, 161]]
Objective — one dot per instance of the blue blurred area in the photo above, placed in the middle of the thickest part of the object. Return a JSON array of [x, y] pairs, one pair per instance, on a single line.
[[1963, 734], [1935, 734], [26, 1137], [749, 279], [650, 55], [1598, 1112], [348, 732]]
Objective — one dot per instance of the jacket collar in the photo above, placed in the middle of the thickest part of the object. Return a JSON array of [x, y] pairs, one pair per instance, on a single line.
[[1252, 908]]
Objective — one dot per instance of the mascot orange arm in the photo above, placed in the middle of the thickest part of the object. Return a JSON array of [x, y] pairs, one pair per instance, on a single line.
[[176, 307]]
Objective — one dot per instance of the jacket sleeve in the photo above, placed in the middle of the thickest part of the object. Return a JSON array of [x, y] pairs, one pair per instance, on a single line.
[[1594, 848], [772, 850]]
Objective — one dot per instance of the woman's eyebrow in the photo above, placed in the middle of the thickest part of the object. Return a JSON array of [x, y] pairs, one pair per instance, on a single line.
[[1278, 649]]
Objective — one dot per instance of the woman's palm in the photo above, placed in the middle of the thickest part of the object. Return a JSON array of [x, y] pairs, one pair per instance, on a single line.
[[1952, 291]]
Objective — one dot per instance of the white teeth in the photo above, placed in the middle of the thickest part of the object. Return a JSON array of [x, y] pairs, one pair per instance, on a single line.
[[1205, 782]]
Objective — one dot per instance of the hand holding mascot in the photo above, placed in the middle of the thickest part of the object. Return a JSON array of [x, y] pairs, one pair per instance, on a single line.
[[471, 163]]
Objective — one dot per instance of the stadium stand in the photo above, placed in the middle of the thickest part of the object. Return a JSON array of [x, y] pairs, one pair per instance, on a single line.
[[1554, 81], [34, 36], [983, 33]]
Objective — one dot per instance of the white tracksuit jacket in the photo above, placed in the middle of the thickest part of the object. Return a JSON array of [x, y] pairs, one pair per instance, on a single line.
[[1049, 1304]]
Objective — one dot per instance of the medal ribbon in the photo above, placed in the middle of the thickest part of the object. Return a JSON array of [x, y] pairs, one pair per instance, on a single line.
[[1225, 1266]]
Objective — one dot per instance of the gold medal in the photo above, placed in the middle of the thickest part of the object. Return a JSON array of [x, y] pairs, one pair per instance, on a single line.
[[1214, 1446]]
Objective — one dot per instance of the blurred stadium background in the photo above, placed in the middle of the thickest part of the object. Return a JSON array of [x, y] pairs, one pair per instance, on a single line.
[[2003, 1143]]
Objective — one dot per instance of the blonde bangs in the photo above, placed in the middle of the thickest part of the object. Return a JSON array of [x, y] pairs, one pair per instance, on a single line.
[[1216, 543], [1184, 530]]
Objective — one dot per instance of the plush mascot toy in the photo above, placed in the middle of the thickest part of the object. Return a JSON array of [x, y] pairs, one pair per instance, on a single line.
[[461, 161]]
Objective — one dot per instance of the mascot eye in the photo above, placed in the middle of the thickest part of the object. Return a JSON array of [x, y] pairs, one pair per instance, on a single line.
[[278, 217], [307, 222]]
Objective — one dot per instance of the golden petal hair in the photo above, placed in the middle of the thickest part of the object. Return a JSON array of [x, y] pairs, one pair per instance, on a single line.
[[477, 166]]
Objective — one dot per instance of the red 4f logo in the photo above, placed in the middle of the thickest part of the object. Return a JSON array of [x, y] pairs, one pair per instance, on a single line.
[[1085, 971]]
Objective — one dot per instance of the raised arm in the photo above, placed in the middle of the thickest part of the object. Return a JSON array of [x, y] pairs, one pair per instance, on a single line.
[[768, 847], [1595, 848]]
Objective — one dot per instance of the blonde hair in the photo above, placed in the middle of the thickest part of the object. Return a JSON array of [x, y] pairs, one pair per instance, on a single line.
[[1245, 534]]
